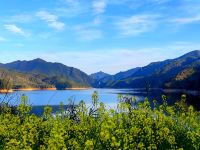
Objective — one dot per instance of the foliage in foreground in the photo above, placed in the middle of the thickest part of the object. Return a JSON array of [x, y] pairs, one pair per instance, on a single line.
[[130, 126]]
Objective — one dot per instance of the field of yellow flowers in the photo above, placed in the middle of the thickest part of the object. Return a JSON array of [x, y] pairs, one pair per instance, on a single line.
[[130, 126]]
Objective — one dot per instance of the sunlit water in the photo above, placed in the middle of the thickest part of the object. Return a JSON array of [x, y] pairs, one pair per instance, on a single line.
[[107, 96], [38, 98]]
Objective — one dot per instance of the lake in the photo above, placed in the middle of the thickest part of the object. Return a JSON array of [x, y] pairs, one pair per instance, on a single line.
[[107, 96]]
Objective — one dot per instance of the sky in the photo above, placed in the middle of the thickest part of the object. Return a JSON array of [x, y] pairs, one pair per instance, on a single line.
[[98, 35]]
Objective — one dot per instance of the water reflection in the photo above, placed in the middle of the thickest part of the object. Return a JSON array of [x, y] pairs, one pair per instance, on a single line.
[[107, 96], [173, 95]]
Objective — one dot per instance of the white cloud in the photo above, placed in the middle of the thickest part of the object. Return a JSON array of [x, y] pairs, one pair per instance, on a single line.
[[186, 20], [46, 16], [97, 20], [87, 33], [13, 28], [160, 1], [52, 20], [72, 2], [57, 25], [73, 8], [138, 3], [114, 60], [99, 6], [136, 24], [21, 18]]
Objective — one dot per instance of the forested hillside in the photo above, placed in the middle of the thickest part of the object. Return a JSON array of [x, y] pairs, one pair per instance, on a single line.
[[182, 72], [39, 73]]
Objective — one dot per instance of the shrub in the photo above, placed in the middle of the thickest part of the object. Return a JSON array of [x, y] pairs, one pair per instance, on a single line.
[[130, 126]]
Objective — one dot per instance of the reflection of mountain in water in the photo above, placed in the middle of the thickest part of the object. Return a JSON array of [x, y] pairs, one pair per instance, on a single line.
[[193, 97]]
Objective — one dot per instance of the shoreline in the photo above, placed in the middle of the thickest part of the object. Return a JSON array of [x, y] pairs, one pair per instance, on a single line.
[[86, 88], [40, 89], [35, 89], [6, 91]]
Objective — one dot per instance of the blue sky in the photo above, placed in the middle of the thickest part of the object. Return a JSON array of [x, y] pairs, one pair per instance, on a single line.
[[94, 35]]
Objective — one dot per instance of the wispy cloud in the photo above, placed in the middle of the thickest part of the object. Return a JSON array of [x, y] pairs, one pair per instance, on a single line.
[[73, 8], [160, 1], [135, 4], [97, 20], [99, 6], [72, 2], [187, 13], [87, 33], [136, 24], [186, 20], [114, 61], [51, 19], [13, 28], [21, 18]]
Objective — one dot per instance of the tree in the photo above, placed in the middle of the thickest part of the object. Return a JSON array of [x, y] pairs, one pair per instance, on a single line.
[[62, 85], [5, 82]]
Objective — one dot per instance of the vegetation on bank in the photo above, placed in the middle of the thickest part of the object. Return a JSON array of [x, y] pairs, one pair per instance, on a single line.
[[130, 126], [179, 73], [15, 80], [38, 73]]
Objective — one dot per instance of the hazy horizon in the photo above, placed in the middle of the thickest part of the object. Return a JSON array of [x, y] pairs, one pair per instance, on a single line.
[[91, 72], [98, 35]]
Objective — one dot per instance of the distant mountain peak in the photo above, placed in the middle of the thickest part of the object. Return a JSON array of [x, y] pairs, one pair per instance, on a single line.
[[59, 71], [99, 75], [39, 60], [182, 72], [100, 72], [195, 53]]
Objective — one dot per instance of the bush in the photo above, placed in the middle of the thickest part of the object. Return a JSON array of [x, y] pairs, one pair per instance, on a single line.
[[62, 85], [5, 84], [130, 126]]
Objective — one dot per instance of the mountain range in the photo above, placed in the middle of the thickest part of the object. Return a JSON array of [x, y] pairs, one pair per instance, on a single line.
[[99, 75], [44, 75], [182, 72]]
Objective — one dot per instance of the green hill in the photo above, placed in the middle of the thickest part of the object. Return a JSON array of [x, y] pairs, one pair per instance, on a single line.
[[22, 80], [182, 72], [39, 73]]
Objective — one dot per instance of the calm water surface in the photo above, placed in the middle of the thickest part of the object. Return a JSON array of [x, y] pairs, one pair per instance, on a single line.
[[108, 96], [38, 98]]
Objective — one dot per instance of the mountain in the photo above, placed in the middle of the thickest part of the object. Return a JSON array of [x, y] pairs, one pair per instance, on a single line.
[[54, 73], [125, 74], [99, 75], [182, 72], [107, 81], [22, 80]]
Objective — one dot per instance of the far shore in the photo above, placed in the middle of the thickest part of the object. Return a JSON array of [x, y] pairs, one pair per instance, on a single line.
[[6, 91], [34, 89], [86, 88], [42, 89]]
